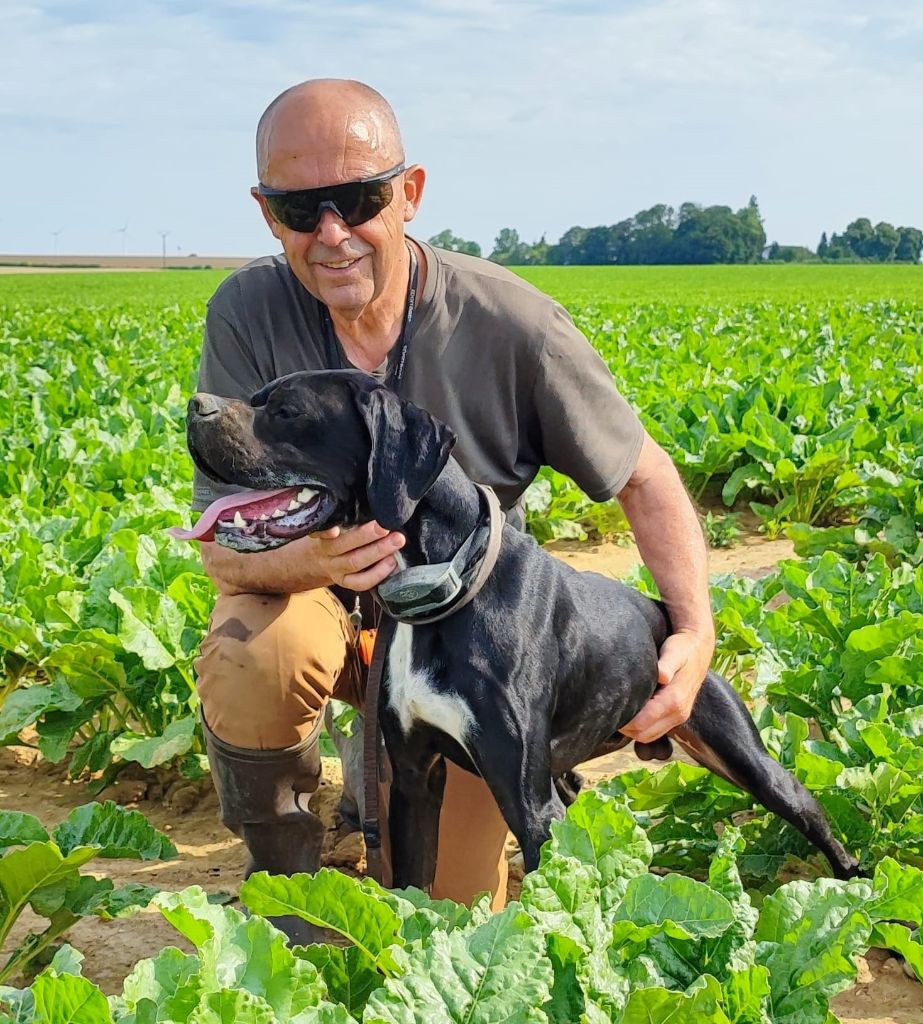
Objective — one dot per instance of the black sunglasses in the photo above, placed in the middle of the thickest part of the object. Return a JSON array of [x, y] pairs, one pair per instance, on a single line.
[[354, 202]]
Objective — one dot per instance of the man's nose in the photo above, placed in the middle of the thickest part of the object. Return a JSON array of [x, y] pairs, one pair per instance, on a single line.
[[202, 404], [331, 229]]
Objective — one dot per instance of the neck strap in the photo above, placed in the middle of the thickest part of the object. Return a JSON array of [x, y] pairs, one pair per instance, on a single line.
[[396, 368]]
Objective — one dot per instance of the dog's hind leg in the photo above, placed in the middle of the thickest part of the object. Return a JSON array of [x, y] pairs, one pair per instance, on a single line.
[[721, 735]]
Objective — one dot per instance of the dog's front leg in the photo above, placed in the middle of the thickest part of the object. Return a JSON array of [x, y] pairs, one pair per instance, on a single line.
[[417, 786]]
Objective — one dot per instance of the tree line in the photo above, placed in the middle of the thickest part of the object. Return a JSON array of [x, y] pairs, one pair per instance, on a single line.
[[694, 234]]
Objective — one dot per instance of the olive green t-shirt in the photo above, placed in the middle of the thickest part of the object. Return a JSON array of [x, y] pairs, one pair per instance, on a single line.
[[497, 360]]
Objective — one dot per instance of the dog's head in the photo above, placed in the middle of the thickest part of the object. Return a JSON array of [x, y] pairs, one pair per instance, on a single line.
[[324, 448]]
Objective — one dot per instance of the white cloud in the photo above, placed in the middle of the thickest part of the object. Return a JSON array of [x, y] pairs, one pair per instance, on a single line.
[[531, 114]]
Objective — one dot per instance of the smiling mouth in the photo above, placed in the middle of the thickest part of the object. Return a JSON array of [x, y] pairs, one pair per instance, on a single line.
[[262, 520], [340, 264]]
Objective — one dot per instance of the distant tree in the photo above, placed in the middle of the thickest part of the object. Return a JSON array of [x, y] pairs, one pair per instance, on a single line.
[[716, 234], [568, 249], [446, 240], [645, 238], [885, 244], [909, 245], [790, 253], [754, 237], [839, 248], [859, 238], [538, 252], [823, 246], [508, 249]]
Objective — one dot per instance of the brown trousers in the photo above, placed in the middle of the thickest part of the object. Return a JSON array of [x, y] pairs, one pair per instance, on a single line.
[[266, 670]]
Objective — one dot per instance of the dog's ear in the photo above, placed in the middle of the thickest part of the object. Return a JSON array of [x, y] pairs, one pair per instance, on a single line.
[[409, 450]]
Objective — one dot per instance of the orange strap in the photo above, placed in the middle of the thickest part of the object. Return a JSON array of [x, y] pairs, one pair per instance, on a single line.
[[366, 645]]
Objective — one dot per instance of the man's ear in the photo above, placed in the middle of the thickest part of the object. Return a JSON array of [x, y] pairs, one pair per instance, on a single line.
[[409, 450]]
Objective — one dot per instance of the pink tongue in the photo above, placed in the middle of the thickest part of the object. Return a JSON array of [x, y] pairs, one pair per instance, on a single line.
[[255, 502]]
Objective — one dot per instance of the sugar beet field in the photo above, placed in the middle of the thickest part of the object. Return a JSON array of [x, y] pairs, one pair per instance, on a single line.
[[790, 399]]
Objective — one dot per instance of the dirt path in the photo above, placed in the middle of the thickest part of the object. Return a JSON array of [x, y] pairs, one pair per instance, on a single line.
[[211, 857]]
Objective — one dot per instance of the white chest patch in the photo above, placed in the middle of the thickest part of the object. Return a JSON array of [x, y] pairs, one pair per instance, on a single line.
[[413, 697]]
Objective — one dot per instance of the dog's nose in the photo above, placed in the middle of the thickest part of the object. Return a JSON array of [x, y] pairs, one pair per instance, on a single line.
[[203, 404]]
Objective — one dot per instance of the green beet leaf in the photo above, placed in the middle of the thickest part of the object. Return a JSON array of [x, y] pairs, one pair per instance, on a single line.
[[177, 739], [900, 939], [248, 953], [230, 1006], [562, 896], [898, 893], [349, 978], [808, 936], [599, 830], [165, 987], [497, 973], [150, 625], [17, 828], [698, 1005], [112, 832], [68, 999], [330, 899], [697, 909], [28, 704], [745, 996]]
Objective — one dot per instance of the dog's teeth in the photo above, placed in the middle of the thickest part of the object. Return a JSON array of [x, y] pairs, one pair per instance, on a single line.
[[239, 519], [278, 514], [263, 517], [293, 505], [306, 495]]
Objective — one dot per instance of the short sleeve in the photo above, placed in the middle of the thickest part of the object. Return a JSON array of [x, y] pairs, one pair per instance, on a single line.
[[587, 430], [228, 369]]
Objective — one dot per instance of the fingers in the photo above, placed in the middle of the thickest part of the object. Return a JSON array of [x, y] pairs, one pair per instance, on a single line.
[[664, 711], [680, 675], [674, 654], [363, 557], [340, 541], [371, 577]]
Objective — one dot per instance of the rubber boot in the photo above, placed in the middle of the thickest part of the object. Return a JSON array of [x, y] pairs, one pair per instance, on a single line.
[[264, 799]]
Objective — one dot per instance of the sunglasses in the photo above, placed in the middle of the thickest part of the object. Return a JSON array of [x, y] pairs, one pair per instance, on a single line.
[[354, 202]]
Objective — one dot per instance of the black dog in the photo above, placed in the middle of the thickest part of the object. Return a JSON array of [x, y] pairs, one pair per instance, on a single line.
[[532, 677]]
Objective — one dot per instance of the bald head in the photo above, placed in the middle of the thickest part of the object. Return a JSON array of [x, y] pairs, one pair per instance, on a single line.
[[324, 126]]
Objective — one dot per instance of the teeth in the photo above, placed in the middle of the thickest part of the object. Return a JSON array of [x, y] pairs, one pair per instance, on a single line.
[[263, 517], [340, 265], [306, 495], [293, 505], [239, 519], [278, 514]]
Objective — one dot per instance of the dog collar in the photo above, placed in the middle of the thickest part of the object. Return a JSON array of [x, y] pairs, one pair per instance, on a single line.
[[428, 593]]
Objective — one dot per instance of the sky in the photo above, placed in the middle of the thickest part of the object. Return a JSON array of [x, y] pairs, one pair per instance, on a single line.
[[122, 120]]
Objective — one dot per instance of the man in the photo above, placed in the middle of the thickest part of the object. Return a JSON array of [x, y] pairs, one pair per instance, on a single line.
[[501, 363]]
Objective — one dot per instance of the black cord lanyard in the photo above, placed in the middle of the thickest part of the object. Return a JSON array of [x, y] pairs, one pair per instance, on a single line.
[[333, 353]]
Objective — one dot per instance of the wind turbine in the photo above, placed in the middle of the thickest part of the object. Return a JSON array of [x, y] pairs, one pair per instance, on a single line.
[[55, 234], [122, 231], [163, 247]]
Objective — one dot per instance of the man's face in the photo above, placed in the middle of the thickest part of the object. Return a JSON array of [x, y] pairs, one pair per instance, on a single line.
[[372, 252]]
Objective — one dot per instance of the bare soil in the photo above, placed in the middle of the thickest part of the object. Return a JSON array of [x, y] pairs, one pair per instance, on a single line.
[[212, 858]]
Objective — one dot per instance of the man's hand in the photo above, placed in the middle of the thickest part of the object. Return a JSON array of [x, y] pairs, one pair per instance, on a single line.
[[359, 558], [684, 660]]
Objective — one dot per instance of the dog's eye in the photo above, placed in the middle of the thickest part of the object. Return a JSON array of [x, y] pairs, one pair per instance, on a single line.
[[284, 413]]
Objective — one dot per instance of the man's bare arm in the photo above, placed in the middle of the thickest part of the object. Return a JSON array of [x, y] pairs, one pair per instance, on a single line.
[[357, 559], [671, 544]]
